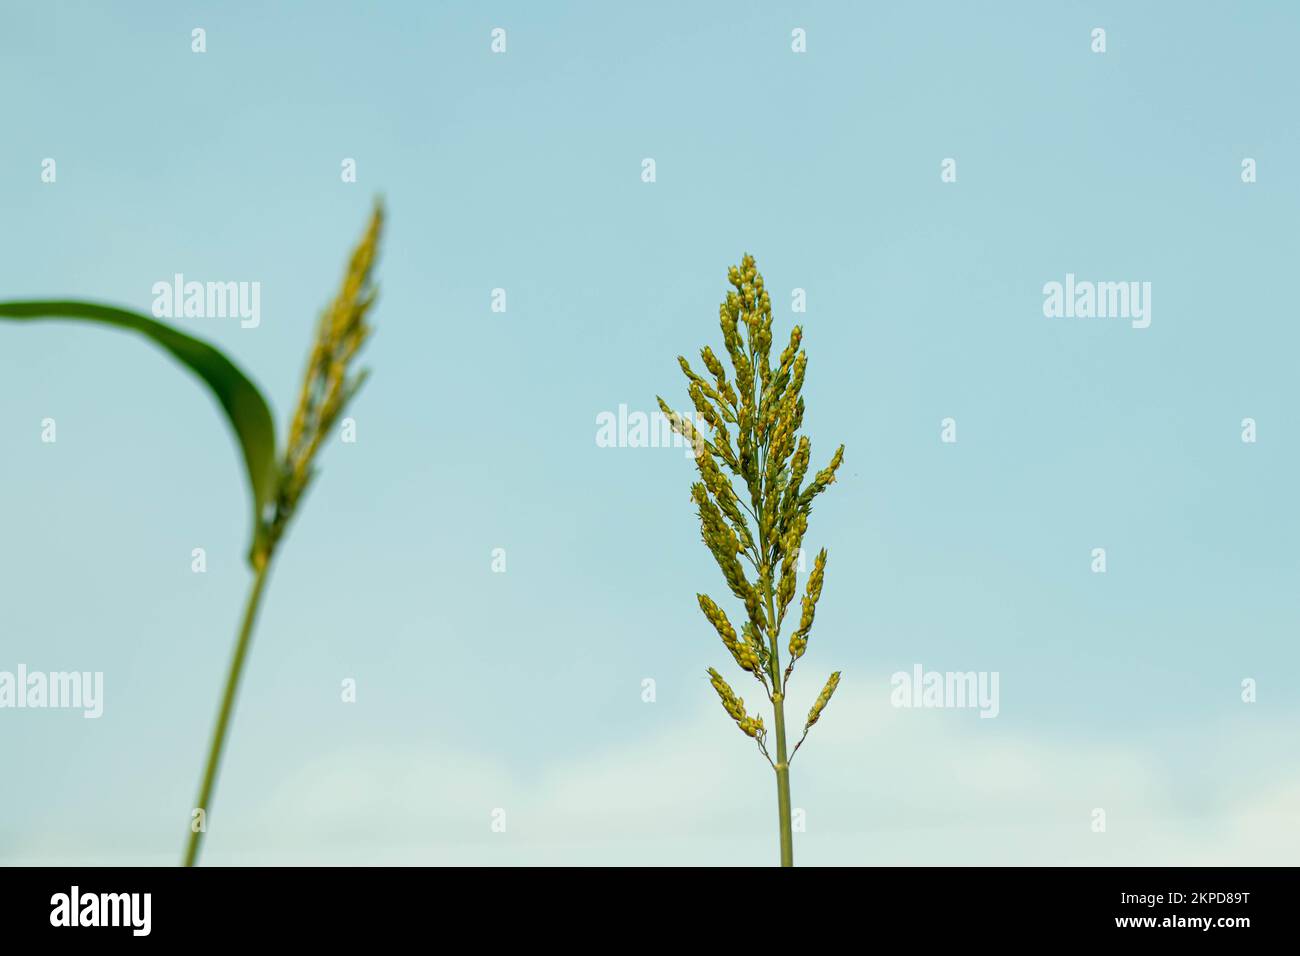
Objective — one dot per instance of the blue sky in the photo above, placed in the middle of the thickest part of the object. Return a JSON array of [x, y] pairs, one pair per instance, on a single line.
[[522, 171]]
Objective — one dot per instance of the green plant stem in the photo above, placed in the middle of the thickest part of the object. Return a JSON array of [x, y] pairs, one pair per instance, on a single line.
[[778, 709], [227, 707], [783, 784]]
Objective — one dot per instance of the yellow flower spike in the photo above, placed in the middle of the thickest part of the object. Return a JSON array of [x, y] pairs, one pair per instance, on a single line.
[[329, 383], [764, 525], [812, 594], [823, 699]]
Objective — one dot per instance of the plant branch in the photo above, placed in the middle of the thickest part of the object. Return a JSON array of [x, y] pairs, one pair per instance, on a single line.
[[799, 744]]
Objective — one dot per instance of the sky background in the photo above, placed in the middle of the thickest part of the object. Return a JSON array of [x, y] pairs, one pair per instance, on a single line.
[[523, 691]]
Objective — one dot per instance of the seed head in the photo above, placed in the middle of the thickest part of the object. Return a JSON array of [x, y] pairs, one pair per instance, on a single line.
[[735, 706], [822, 700], [812, 594], [330, 382]]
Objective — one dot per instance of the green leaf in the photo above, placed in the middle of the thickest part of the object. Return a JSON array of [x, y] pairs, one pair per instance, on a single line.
[[245, 408]]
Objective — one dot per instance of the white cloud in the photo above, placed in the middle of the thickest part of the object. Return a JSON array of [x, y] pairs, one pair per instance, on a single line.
[[879, 786]]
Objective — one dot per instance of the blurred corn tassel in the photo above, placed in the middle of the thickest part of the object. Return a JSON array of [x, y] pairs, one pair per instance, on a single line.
[[328, 386], [329, 383]]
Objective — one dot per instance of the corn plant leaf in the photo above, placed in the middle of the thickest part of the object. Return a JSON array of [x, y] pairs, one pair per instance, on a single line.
[[245, 408]]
